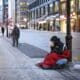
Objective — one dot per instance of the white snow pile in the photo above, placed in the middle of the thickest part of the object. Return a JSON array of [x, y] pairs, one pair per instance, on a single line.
[[76, 66]]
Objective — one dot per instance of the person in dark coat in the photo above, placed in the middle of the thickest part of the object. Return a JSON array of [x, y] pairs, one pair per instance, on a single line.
[[57, 45], [2, 30], [58, 51], [15, 35]]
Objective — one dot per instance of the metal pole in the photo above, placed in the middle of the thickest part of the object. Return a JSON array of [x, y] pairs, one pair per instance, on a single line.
[[7, 22], [68, 30], [7, 28]]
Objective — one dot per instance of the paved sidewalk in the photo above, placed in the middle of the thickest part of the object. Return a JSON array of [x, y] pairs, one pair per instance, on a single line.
[[36, 52], [15, 65], [32, 51]]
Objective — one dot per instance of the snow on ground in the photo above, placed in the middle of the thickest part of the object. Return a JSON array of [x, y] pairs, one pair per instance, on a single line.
[[41, 38], [38, 38]]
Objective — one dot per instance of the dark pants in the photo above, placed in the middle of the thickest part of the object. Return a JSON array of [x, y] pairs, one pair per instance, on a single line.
[[2, 33], [15, 42]]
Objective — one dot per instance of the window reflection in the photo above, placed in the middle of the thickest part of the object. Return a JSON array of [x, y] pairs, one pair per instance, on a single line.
[[56, 6], [51, 7], [72, 5], [63, 7], [79, 4]]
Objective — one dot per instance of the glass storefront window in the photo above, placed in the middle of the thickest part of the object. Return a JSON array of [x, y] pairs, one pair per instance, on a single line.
[[73, 5], [23, 9], [42, 11], [38, 12], [63, 25], [32, 15], [46, 10], [73, 22], [22, 3], [6, 1], [63, 7], [57, 25], [56, 6], [51, 8], [79, 4], [51, 23]]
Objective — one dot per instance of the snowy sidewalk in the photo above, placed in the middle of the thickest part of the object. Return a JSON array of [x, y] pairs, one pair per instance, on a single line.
[[14, 65], [41, 40]]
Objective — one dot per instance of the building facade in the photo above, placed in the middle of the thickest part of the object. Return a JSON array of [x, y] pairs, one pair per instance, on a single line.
[[11, 12], [51, 15], [17, 12], [21, 12], [5, 12], [1, 12]]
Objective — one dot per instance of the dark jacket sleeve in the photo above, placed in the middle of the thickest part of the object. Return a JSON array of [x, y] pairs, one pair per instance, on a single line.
[[18, 34], [57, 49], [12, 33]]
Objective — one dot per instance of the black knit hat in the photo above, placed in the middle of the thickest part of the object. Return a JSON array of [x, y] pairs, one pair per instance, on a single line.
[[55, 39]]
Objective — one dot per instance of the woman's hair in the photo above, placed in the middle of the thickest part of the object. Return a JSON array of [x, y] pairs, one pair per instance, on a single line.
[[55, 40], [58, 45]]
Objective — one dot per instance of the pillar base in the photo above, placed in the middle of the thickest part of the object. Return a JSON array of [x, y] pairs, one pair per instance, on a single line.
[[69, 45]]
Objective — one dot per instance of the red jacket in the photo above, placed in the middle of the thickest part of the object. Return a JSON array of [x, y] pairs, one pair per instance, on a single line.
[[51, 59]]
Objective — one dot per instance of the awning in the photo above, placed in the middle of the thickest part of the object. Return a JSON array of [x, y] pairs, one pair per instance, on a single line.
[[52, 17]]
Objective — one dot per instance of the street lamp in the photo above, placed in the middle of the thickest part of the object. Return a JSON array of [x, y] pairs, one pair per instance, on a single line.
[[25, 20], [68, 30]]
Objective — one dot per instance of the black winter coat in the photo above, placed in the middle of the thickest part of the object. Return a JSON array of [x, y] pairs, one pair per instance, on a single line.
[[2, 29], [58, 48], [15, 32]]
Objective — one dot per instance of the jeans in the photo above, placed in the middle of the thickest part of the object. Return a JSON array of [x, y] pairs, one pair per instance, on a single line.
[[15, 42]]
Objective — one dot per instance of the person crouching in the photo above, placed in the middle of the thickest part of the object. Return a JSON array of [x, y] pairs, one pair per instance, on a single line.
[[58, 51]]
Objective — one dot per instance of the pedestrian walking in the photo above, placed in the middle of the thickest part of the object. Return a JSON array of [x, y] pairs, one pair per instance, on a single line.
[[2, 30], [15, 36]]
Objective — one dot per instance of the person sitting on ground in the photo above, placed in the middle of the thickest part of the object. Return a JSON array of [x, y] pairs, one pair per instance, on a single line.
[[58, 51]]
